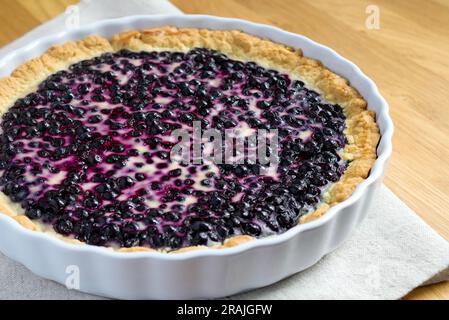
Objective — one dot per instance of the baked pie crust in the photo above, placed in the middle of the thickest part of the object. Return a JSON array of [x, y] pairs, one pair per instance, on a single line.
[[361, 131]]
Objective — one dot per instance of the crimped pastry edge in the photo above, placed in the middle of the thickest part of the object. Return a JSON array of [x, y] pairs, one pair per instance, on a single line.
[[361, 131]]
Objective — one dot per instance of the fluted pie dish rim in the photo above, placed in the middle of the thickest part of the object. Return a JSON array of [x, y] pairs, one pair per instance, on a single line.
[[375, 173]]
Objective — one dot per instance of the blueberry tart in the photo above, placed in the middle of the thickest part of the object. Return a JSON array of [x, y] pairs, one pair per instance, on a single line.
[[87, 137]]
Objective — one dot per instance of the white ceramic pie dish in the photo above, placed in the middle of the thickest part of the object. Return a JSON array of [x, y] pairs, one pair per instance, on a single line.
[[203, 273]]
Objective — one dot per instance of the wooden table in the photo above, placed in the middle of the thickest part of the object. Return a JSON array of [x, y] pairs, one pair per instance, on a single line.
[[408, 58]]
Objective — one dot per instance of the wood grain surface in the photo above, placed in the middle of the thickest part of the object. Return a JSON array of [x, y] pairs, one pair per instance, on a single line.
[[408, 58]]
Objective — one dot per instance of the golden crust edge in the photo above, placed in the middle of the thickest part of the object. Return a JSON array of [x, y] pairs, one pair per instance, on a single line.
[[362, 144]]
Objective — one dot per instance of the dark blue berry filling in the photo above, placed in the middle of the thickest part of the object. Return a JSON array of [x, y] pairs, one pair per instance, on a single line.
[[89, 151]]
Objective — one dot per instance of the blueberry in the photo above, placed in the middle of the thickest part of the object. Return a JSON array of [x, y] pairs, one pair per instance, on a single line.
[[263, 104], [110, 231], [200, 238], [95, 119], [112, 158], [83, 88], [94, 159], [125, 182], [64, 227], [109, 195], [199, 226], [91, 202], [186, 117], [157, 241], [98, 177], [171, 216], [164, 155], [19, 193], [43, 153], [131, 242], [174, 242], [175, 173], [130, 227], [33, 213]]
